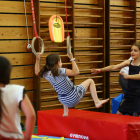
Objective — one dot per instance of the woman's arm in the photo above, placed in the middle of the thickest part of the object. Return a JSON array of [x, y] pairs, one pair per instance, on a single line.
[[29, 112], [75, 69], [112, 67], [37, 65], [132, 77]]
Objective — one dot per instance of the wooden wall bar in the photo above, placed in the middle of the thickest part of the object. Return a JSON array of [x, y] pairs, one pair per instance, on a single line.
[[89, 46]]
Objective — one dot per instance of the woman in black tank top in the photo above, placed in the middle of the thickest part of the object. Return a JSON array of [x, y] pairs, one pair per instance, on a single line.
[[131, 101]]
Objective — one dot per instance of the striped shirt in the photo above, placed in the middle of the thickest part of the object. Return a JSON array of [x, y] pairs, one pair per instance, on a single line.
[[68, 94]]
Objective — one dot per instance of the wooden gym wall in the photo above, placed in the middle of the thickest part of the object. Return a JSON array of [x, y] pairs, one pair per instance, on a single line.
[[13, 39], [86, 26]]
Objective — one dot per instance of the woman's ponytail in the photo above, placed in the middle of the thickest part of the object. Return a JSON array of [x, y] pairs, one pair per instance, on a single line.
[[51, 65], [54, 70], [43, 70]]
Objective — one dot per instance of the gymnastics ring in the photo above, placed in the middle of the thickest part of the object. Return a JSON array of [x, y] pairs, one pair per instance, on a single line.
[[68, 45], [35, 33], [42, 43]]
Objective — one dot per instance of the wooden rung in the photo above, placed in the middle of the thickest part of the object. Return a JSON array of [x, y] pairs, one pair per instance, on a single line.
[[122, 38], [69, 7], [61, 15], [67, 23], [88, 23], [99, 84], [126, 10], [115, 82], [89, 62], [93, 8], [85, 101], [88, 54], [114, 75], [88, 46], [98, 91], [96, 16], [54, 105], [68, 30], [49, 98], [47, 90], [117, 60], [122, 24], [120, 46], [54, 47], [44, 31], [88, 38], [88, 100], [89, 77], [119, 53], [114, 90], [122, 31], [121, 17]]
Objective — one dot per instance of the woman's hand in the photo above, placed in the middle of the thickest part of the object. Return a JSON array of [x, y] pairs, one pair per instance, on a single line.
[[125, 76], [95, 71], [70, 56]]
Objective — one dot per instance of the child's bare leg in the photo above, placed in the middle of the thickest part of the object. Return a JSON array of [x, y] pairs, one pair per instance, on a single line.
[[89, 83], [65, 111]]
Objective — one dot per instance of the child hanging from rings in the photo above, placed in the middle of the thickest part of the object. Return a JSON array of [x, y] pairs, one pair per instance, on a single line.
[[68, 94], [12, 99], [131, 101]]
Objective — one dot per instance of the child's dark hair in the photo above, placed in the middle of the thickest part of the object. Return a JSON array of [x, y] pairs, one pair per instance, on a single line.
[[136, 44], [5, 71], [51, 65]]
